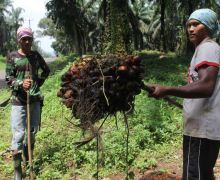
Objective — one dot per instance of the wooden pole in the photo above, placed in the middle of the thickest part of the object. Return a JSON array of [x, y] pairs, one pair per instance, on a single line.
[[169, 100], [29, 137]]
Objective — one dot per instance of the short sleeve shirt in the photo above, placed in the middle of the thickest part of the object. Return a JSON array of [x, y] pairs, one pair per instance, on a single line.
[[202, 115]]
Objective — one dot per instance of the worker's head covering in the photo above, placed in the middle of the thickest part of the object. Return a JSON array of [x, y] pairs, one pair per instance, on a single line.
[[24, 32], [207, 17]]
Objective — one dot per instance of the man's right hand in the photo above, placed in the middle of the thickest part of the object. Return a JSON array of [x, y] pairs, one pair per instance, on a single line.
[[27, 84], [158, 91]]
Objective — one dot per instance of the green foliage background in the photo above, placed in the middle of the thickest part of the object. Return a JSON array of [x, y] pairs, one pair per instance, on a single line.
[[155, 128], [2, 62]]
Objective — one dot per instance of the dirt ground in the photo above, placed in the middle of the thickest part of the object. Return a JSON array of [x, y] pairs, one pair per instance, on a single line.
[[170, 169], [166, 170], [2, 79]]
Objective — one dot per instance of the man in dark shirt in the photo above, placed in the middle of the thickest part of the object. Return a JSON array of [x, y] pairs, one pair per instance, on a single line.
[[26, 71]]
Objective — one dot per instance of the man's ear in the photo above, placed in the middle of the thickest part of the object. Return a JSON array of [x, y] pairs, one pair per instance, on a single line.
[[208, 32], [18, 41]]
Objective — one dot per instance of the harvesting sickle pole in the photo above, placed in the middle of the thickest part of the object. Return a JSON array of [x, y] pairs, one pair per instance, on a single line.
[[29, 134], [169, 100]]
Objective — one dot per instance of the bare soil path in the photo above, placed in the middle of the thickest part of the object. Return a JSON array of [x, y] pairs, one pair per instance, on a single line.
[[169, 169], [2, 79]]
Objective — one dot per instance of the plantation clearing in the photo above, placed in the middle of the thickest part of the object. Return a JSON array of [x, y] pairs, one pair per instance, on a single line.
[[155, 131]]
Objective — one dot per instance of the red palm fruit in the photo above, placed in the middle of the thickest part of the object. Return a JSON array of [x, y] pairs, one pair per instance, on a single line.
[[132, 73], [135, 68], [69, 103], [68, 94], [136, 60], [74, 70], [122, 70], [73, 66], [59, 94]]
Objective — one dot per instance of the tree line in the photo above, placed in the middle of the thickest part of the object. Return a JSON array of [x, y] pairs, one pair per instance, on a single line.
[[109, 26], [10, 20]]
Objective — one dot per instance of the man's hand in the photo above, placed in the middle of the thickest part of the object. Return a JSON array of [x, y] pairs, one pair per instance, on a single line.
[[27, 84], [158, 91]]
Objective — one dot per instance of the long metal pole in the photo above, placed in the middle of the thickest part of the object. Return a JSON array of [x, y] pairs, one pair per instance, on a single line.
[[29, 137]]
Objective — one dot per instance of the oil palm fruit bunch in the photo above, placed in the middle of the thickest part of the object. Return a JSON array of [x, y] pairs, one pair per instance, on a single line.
[[97, 86]]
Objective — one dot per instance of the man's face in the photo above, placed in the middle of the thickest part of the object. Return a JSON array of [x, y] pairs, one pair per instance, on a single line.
[[196, 31], [26, 43]]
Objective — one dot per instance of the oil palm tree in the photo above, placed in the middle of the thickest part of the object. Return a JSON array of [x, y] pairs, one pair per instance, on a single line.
[[71, 17], [122, 22], [3, 31], [14, 20], [140, 14]]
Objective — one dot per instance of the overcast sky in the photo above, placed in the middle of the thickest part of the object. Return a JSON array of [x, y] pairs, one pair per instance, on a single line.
[[34, 10]]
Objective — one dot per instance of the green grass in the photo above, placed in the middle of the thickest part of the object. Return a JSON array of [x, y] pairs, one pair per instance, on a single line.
[[5, 94], [155, 128], [2, 62]]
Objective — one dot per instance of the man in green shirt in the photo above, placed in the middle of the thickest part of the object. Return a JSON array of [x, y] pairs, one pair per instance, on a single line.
[[26, 71]]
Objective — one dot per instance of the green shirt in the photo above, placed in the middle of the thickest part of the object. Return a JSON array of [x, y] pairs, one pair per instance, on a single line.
[[19, 67]]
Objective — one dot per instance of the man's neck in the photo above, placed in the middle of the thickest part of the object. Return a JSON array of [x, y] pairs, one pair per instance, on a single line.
[[23, 52]]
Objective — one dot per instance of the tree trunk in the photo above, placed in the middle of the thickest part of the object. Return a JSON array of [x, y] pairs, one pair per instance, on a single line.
[[189, 47], [162, 17], [116, 33]]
